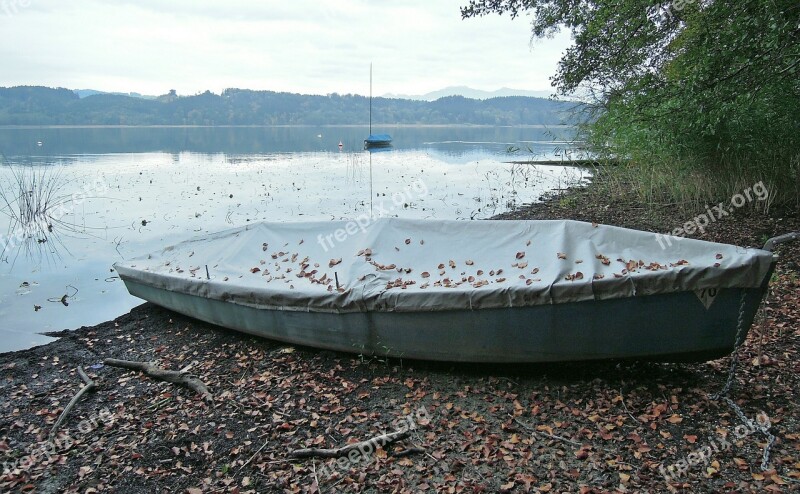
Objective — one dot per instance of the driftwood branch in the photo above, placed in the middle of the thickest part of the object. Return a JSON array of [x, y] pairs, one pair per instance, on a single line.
[[373, 443], [89, 385], [551, 436], [622, 399], [175, 377], [407, 452]]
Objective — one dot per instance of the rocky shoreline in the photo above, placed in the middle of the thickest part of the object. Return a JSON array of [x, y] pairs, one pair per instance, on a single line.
[[588, 427]]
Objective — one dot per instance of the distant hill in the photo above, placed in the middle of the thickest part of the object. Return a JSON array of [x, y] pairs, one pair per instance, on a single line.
[[34, 105], [83, 93], [468, 92]]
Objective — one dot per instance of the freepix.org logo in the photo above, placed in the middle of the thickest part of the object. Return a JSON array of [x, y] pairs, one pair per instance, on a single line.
[[11, 8], [757, 192], [399, 200]]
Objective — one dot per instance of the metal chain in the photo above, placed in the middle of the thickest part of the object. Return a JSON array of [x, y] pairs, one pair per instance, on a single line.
[[735, 354], [722, 394]]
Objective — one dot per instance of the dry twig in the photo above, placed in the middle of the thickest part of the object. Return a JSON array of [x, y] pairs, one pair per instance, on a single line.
[[551, 436], [88, 386], [175, 377], [373, 443]]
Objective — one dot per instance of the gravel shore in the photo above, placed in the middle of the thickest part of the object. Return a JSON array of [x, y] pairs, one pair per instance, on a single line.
[[588, 427]]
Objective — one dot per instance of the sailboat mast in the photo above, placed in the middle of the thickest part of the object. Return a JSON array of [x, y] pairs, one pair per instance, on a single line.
[[370, 98]]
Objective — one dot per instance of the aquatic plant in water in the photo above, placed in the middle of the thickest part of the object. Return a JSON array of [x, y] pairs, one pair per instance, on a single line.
[[35, 202]]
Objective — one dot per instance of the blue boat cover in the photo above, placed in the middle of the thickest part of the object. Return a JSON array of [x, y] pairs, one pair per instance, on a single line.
[[378, 139]]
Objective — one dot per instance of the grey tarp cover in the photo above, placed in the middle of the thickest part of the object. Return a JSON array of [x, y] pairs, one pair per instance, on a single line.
[[427, 265]]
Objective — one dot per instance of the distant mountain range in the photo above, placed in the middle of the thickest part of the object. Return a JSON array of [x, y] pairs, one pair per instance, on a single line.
[[35, 105], [464, 91], [468, 92], [83, 93]]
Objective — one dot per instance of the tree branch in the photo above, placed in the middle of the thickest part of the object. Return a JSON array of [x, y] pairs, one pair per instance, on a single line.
[[373, 444], [89, 385], [175, 377]]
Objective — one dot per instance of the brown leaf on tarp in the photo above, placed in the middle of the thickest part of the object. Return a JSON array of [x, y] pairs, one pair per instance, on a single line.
[[334, 262], [520, 255], [561, 255]]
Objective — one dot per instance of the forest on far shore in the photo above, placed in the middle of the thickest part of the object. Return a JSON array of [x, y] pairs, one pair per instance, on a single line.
[[34, 105]]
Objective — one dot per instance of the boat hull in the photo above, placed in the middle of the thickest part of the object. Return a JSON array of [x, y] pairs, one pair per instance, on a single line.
[[666, 327], [378, 141]]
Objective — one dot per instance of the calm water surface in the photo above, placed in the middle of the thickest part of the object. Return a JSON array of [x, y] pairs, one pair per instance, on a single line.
[[127, 192]]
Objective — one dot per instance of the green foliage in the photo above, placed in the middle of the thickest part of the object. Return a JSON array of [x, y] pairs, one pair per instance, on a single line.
[[700, 96], [44, 106]]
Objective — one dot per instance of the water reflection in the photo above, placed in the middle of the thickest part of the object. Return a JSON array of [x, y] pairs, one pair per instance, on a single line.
[[153, 187], [456, 141]]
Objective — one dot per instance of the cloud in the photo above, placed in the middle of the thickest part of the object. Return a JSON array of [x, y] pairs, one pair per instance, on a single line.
[[151, 46]]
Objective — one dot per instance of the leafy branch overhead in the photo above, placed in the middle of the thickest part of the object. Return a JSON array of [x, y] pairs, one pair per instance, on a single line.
[[706, 84]]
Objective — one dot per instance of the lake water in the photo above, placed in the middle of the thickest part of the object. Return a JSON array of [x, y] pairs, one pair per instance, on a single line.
[[117, 193]]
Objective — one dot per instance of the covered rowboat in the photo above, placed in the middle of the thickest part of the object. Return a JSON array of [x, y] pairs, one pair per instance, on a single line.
[[378, 141], [472, 291]]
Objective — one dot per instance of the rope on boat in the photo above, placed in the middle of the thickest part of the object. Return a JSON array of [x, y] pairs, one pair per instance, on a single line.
[[763, 428]]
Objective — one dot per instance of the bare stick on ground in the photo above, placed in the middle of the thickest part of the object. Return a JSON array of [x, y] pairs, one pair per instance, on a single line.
[[89, 385], [551, 436], [407, 452], [373, 443], [175, 377]]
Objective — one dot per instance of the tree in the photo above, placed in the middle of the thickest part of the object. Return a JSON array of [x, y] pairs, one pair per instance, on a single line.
[[698, 86]]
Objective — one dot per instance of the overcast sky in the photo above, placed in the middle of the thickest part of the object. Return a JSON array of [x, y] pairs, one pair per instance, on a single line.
[[151, 46]]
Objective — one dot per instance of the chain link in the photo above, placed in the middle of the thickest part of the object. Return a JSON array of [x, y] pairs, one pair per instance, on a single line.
[[722, 394]]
